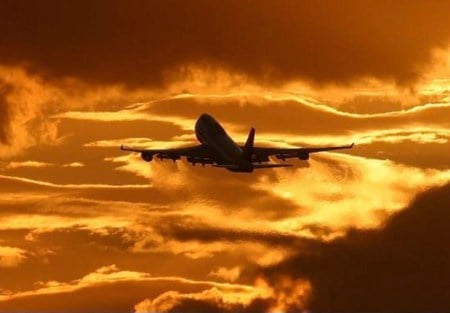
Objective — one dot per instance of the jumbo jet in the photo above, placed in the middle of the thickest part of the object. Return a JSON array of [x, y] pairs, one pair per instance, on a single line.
[[220, 150]]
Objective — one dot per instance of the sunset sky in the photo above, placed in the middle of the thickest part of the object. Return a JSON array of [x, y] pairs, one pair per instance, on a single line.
[[85, 227]]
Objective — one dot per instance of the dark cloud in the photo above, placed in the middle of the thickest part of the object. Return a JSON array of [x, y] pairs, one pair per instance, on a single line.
[[402, 267], [137, 43], [5, 114], [202, 306]]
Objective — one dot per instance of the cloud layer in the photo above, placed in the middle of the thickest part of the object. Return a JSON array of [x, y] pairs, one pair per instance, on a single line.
[[141, 43]]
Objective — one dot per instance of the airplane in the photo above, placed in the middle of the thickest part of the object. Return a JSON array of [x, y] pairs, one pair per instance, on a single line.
[[218, 149]]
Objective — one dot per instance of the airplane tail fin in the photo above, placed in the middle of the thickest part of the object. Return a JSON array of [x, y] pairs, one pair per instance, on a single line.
[[248, 148]]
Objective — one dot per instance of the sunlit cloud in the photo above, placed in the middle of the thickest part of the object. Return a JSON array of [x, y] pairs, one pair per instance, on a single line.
[[228, 274], [340, 193], [24, 100], [143, 111], [335, 190], [285, 296], [28, 102], [135, 114], [144, 143], [11, 256], [37, 164], [226, 300], [74, 165], [111, 274], [69, 186], [49, 223]]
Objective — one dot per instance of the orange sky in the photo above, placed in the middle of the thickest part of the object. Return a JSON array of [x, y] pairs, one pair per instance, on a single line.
[[85, 227]]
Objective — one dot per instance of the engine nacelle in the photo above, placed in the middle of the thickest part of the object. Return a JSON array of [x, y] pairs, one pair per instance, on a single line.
[[147, 157], [303, 156]]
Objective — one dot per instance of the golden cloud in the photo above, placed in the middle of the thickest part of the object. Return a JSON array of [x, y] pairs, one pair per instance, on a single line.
[[285, 296], [228, 274], [11, 256], [38, 164], [111, 274]]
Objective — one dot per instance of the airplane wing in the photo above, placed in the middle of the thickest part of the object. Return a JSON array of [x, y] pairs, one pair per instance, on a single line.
[[255, 166], [262, 154], [194, 154]]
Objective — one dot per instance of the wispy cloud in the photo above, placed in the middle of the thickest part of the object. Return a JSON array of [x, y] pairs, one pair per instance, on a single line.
[[70, 186], [38, 164], [112, 274]]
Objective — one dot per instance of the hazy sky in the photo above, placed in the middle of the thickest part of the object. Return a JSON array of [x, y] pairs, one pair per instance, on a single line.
[[85, 227]]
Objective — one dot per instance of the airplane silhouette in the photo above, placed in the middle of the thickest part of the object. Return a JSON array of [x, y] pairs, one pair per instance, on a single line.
[[220, 150]]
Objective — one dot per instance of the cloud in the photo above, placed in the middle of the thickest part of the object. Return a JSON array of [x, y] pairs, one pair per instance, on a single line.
[[143, 143], [266, 41], [109, 276], [339, 191], [38, 164], [4, 115], [388, 135], [18, 111], [69, 186], [27, 103], [228, 274], [259, 111], [103, 275], [74, 165], [210, 300], [401, 267], [285, 296], [11, 256], [336, 191]]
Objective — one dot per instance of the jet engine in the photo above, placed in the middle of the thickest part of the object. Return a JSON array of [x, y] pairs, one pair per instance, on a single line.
[[303, 156], [147, 157]]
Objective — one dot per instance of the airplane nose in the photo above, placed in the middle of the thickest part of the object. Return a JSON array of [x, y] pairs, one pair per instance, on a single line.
[[205, 116], [201, 121]]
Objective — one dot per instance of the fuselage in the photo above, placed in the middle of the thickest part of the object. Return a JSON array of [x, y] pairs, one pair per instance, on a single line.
[[222, 147]]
